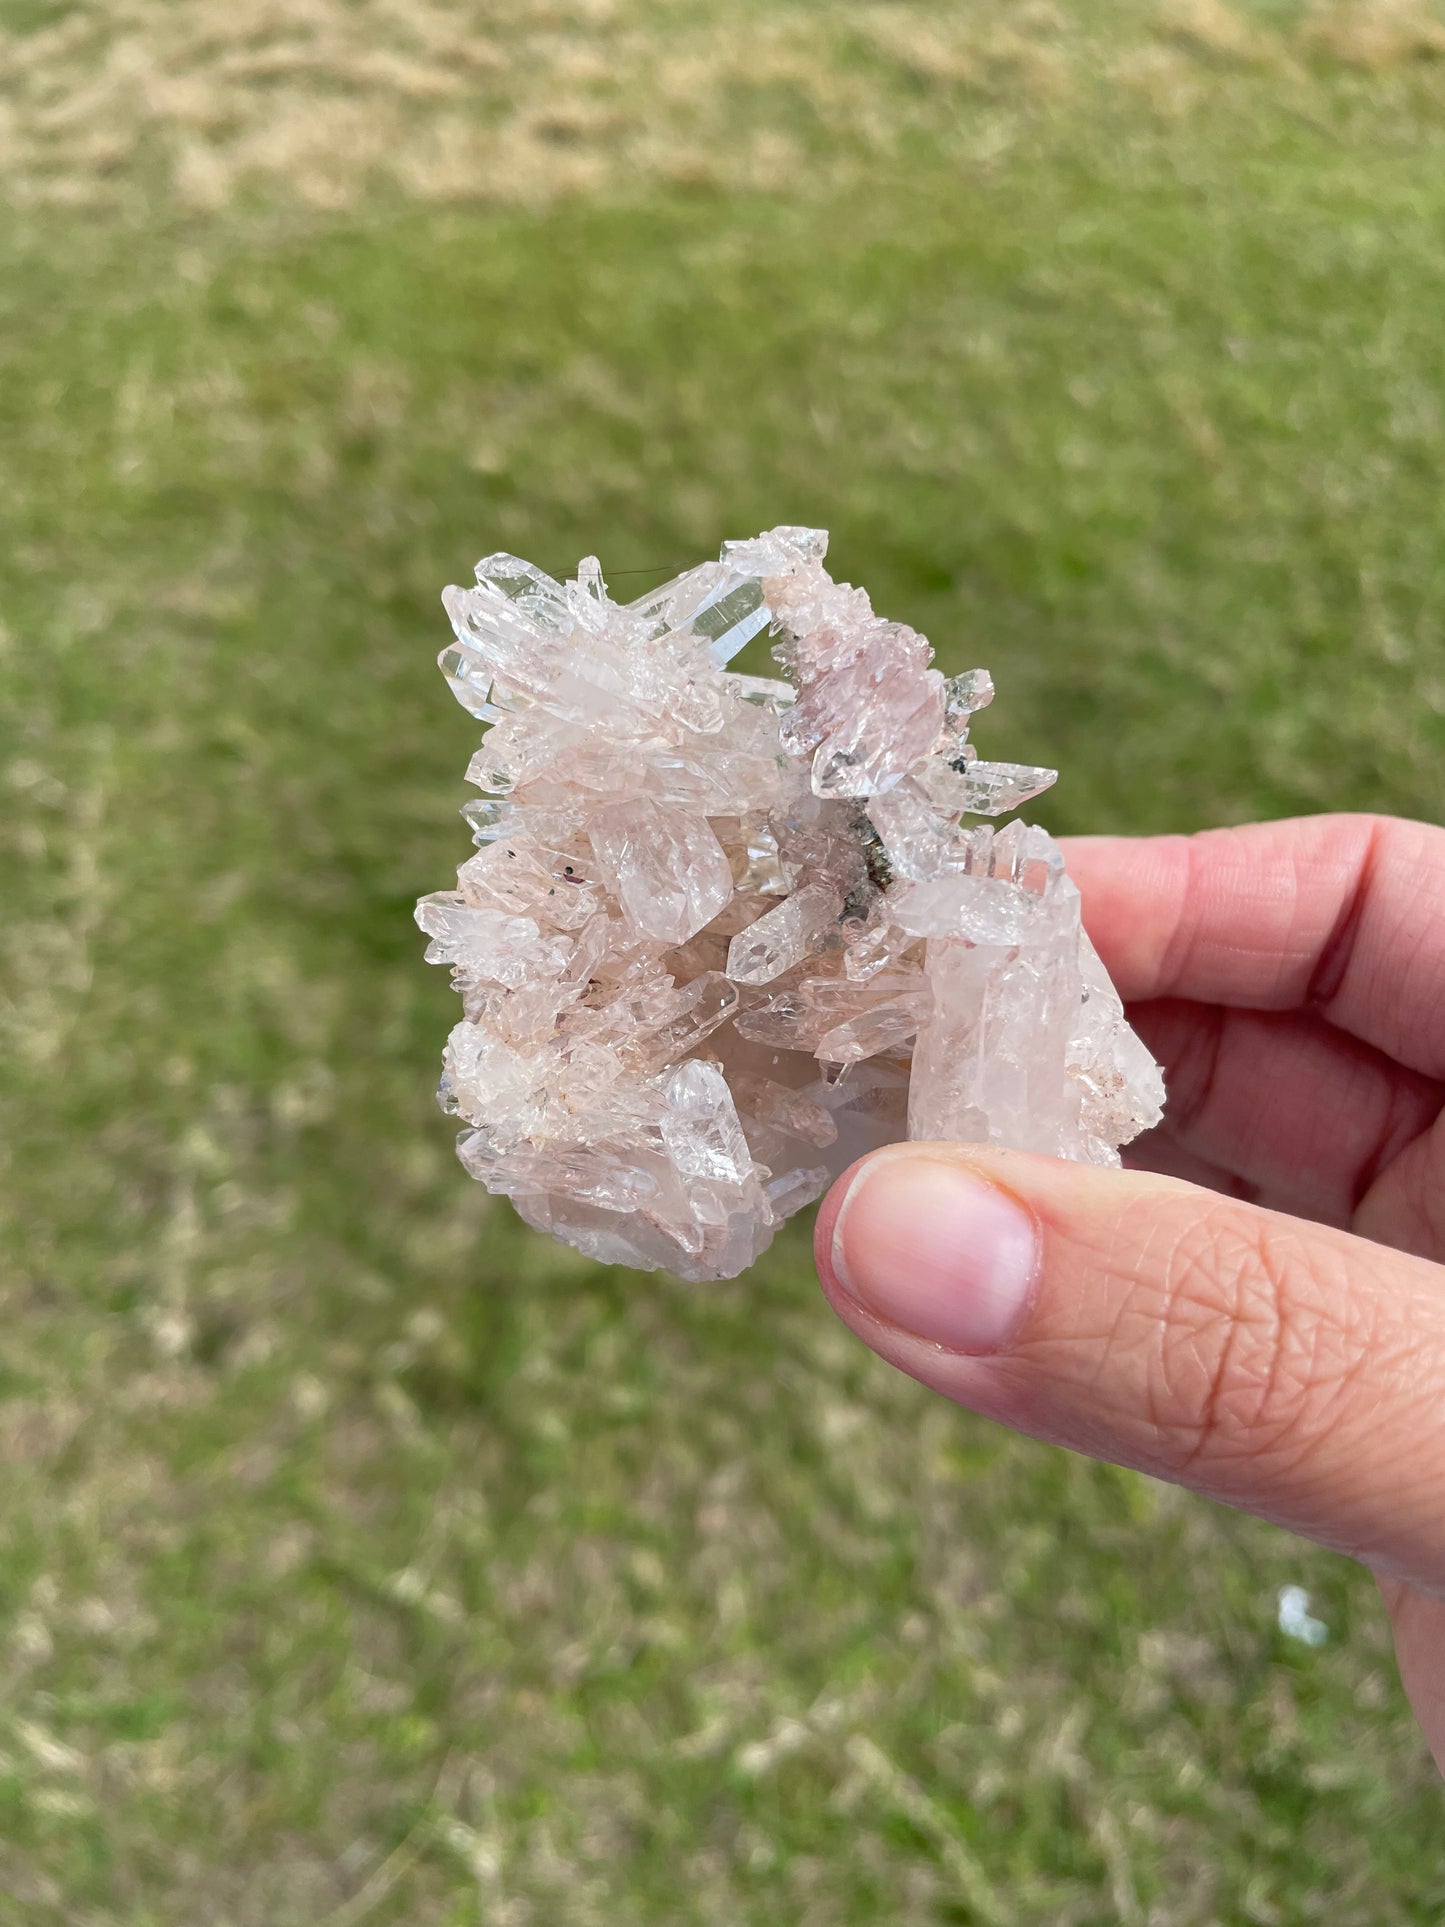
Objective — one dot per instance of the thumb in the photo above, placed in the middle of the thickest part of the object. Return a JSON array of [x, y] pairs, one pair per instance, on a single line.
[[1280, 1366]]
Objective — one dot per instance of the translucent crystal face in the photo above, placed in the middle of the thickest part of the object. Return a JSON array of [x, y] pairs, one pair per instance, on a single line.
[[723, 933]]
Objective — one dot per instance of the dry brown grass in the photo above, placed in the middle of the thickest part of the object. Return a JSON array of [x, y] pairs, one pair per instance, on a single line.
[[192, 103], [1375, 34], [1216, 28], [492, 100]]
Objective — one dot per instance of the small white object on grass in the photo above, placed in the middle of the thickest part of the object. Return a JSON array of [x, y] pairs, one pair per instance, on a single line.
[[1296, 1620]]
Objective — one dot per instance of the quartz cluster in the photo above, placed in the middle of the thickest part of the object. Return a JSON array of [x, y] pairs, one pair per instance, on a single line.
[[724, 933]]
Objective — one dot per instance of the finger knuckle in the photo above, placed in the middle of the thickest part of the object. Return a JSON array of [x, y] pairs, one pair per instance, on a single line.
[[1251, 1356]]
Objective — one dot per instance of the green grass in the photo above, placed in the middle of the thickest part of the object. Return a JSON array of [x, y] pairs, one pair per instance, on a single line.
[[362, 1558]]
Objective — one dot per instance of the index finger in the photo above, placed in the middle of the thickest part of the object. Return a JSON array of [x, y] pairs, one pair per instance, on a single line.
[[1344, 915]]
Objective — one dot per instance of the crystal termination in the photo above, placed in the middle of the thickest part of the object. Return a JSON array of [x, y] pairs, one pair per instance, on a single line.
[[723, 934]]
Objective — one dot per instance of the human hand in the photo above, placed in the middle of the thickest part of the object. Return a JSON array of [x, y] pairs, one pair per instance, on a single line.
[[1276, 1340]]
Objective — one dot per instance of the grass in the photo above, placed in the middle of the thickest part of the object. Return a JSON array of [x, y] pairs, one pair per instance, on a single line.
[[361, 1558]]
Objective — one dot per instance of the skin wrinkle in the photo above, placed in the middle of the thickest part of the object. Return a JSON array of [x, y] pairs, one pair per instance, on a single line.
[[1154, 1323], [1271, 1396], [1149, 1309], [1304, 1327], [1197, 1283], [1382, 960], [1388, 951], [1334, 957], [1283, 1372]]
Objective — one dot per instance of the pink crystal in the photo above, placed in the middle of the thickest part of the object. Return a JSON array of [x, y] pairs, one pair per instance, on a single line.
[[722, 934]]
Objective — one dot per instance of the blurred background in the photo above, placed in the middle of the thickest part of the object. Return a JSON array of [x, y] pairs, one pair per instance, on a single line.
[[362, 1560]]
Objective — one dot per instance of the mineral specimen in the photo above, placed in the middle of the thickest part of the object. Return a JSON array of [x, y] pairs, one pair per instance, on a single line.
[[723, 934]]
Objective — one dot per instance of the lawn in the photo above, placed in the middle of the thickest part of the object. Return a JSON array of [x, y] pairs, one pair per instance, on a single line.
[[363, 1558]]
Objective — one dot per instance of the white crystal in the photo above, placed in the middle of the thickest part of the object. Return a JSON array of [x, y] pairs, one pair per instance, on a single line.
[[920, 841], [490, 945], [880, 1028], [992, 789], [701, 1128], [670, 872], [722, 933], [785, 935]]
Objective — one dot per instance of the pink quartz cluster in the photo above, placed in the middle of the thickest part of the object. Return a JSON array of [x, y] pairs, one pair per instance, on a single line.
[[722, 934]]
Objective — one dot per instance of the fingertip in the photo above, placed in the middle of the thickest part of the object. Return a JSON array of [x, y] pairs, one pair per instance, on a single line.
[[933, 1246]]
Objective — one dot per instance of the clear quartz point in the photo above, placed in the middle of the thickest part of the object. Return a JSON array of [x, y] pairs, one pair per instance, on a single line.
[[782, 937], [722, 933], [671, 874], [993, 789]]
